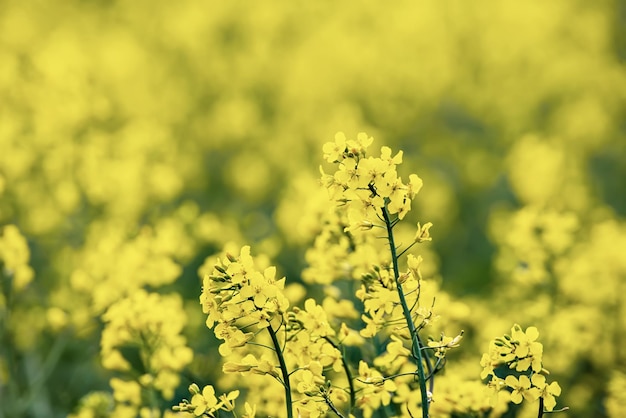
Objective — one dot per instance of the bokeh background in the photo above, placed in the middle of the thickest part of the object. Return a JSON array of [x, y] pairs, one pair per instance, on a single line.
[[137, 138]]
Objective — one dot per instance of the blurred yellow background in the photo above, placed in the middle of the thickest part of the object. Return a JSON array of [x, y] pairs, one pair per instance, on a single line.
[[138, 137]]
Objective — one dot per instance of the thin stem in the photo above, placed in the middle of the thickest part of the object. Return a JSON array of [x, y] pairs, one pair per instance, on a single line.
[[346, 368], [297, 369], [283, 369], [332, 406], [540, 415], [431, 374], [260, 345], [406, 249], [407, 315], [429, 365], [388, 377]]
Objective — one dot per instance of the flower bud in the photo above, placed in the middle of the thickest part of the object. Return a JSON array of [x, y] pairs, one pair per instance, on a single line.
[[231, 257], [455, 341], [232, 367], [403, 278]]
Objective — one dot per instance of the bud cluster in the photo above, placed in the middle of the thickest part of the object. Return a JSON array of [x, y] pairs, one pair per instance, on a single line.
[[237, 292]]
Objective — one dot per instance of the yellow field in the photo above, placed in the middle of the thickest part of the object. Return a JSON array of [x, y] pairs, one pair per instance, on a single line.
[[141, 140]]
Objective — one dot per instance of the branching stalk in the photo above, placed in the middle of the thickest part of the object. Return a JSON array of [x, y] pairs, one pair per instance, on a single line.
[[333, 408], [416, 345], [283, 369]]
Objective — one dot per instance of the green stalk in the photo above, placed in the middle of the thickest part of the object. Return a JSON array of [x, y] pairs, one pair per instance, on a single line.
[[346, 368], [283, 369], [333, 408], [417, 351], [540, 415]]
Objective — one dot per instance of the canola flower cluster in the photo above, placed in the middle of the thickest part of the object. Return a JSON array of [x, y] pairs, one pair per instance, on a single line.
[[204, 403], [304, 349], [14, 258], [241, 301], [367, 184], [306, 355], [515, 361], [370, 194], [142, 337], [236, 290]]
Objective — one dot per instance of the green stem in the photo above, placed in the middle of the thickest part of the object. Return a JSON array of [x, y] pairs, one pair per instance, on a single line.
[[540, 415], [417, 352], [333, 408], [283, 369], [346, 368]]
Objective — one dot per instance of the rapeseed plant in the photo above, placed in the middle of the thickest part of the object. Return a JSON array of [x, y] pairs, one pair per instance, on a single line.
[[307, 348]]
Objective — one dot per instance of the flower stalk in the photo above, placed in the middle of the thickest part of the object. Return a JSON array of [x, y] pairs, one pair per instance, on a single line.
[[416, 346], [283, 369], [349, 376]]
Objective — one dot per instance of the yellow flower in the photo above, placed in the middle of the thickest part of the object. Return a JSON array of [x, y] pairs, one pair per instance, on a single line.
[[375, 390], [314, 319], [398, 197], [445, 343], [126, 391], [372, 325], [423, 232], [415, 185], [394, 356], [205, 402], [382, 299], [385, 155], [363, 207], [371, 171], [528, 351], [14, 256], [258, 290], [488, 365], [521, 389], [494, 390], [247, 363], [311, 379], [333, 151], [265, 366], [232, 336], [414, 264], [526, 341], [227, 400], [360, 145], [349, 336], [347, 173], [250, 411], [547, 391]]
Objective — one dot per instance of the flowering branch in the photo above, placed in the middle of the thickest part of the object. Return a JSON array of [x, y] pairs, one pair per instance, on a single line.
[[416, 346]]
